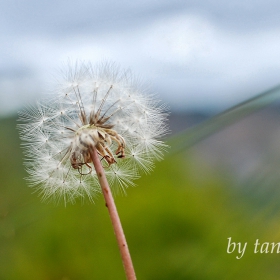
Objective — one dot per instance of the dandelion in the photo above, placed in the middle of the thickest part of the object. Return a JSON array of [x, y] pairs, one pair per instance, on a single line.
[[99, 124]]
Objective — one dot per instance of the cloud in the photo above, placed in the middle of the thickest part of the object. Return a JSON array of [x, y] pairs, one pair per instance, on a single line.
[[195, 54]]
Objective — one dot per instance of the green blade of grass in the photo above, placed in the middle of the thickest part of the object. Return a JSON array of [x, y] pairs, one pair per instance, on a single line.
[[191, 136]]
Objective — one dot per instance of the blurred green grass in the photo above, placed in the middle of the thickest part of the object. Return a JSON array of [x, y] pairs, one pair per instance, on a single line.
[[177, 221]]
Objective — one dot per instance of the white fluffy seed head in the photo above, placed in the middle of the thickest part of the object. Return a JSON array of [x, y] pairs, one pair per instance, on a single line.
[[98, 106]]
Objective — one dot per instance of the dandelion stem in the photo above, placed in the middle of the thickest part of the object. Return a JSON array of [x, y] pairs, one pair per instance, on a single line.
[[109, 200]]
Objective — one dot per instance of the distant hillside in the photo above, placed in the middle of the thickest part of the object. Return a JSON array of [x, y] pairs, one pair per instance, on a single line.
[[245, 146], [179, 121]]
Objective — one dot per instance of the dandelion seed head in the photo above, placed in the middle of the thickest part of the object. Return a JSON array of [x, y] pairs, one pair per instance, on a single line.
[[101, 107]]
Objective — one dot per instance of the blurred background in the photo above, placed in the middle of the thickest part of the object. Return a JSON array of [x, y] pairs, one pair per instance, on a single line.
[[220, 179]]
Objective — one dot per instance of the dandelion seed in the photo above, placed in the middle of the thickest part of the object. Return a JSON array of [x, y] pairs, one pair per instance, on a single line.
[[99, 107], [98, 125]]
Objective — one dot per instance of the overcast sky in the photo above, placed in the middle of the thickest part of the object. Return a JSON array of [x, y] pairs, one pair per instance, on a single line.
[[195, 54]]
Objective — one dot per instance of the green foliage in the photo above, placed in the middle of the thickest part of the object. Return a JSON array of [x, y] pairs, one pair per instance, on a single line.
[[177, 221]]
